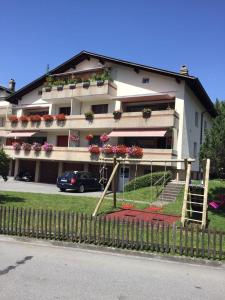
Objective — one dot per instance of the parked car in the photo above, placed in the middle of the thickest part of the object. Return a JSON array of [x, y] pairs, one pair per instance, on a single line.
[[79, 181], [24, 176]]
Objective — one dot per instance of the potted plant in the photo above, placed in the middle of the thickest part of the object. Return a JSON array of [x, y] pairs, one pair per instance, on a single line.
[[16, 146], [86, 83], [60, 117], [104, 138], [47, 147], [89, 116], [13, 119], [120, 149], [117, 114], [26, 147], [59, 84], [36, 147], [24, 119], [48, 84], [48, 118], [72, 83], [107, 149], [94, 149], [146, 112], [35, 118], [135, 152], [89, 137]]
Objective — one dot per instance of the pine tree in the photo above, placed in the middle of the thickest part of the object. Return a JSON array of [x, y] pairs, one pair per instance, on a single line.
[[4, 164]]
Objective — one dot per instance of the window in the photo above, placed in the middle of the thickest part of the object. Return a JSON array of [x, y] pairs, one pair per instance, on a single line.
[[145, 80], [2, 122], [195, 150], [196, 119], [65, 110], [100, 109]]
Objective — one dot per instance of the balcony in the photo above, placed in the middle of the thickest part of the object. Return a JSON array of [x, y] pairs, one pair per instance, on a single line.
[[105, 90], [158, 119], [81, 154]]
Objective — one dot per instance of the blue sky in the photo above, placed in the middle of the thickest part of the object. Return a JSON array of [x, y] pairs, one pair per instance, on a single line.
[[162, 33]]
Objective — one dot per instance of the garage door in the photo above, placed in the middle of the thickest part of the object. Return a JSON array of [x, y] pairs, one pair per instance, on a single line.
[[72, 167], [48, 171], [27, 166]]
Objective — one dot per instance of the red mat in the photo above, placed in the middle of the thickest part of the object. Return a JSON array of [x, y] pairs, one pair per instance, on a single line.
[[140, 215]]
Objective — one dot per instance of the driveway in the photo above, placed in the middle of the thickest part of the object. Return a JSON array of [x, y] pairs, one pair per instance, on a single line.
[[37, 270], [44, 188]]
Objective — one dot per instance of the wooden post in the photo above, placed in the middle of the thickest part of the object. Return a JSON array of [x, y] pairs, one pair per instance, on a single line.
[[114, 183], [185, 167], [188, 176], [206, 189], [106, 189]]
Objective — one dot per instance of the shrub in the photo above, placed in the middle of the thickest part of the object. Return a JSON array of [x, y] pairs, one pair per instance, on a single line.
[[24, 119], [147, 180], [135, 152], [60, 117], [94, 149], [35, 118], [146, 112], [89, 137], [36, 147], [26, 146], [48, 118], [13, 119]]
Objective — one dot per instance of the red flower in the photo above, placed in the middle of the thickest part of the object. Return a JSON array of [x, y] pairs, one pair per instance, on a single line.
[[120, 149], [24, 119], [89, 137], [94, 149], [13, 119], [35, 118], [135, 151], [60, 117], [48, 118]]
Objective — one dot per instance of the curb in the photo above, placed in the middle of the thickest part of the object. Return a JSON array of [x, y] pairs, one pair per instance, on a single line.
[[112, 250]]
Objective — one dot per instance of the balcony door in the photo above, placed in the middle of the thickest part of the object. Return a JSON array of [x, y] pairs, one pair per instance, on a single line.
[[62, 140]]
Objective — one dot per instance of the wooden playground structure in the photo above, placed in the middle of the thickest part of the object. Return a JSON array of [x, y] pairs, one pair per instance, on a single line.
[[194, 203]]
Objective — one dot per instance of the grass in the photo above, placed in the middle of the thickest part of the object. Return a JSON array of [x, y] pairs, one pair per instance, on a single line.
[[147, 194]]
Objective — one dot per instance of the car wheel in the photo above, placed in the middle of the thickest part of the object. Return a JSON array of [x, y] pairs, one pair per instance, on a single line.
[[81, 188], [62, 190]]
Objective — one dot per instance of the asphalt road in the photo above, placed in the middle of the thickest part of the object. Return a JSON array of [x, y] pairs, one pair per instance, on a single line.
[[35, 271], [45, 188]]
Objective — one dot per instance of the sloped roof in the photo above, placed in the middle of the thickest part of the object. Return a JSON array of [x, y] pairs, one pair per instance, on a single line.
[[193, 82]]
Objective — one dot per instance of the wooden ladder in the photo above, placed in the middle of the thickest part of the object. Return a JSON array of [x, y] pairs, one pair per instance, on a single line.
[[188, 202]]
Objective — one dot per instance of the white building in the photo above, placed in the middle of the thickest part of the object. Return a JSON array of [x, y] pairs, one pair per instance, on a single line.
[[181, 111]]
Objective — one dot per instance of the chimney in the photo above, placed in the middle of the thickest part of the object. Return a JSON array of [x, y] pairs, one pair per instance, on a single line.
[[12, 85], [184, 70]]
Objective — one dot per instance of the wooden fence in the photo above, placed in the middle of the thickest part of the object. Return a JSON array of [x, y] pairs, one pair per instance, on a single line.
[[139, 235]]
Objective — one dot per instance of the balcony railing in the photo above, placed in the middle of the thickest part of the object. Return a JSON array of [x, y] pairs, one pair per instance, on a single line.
[[106, 89], [82, 154], [158, 119]]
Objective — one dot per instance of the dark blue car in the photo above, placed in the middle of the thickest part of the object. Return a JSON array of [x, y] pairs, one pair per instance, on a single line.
[[79, 181]]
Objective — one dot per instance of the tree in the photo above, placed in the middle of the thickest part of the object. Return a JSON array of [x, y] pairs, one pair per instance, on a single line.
[[4, 164], [214, 144]]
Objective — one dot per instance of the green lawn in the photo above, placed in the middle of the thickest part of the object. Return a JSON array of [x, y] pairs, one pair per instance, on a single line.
[[147, 194]]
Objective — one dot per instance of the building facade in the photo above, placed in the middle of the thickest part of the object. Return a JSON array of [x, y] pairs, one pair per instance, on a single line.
[[116, 93]]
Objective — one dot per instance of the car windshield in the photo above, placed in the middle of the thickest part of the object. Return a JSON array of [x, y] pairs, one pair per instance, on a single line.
[[69, 175]]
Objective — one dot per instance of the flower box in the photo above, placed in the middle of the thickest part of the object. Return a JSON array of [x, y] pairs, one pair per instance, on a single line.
[[120, 150], [35, 118], [94, 149], [26, 146], [36, 147], [47, 147], [146, 113], [48, 118], [117, 114], [24, 119], [16, 146], [48, 89], [86, 84], [107, 149], [13, 119], [135, 152], [60, 117]]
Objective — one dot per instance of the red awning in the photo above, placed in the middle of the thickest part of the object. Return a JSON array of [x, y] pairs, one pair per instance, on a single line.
[[21, 134], [132, 133]]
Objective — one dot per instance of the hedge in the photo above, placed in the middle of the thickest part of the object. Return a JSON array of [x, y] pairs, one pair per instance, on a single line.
[[147, 180]]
